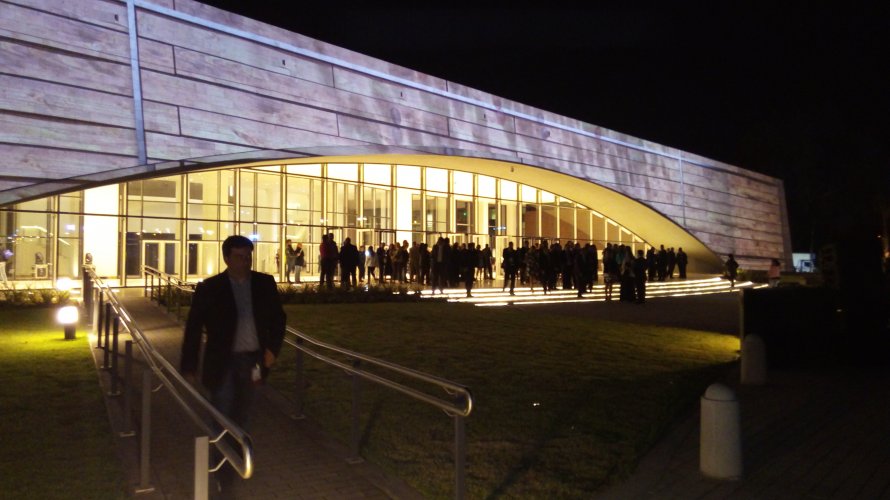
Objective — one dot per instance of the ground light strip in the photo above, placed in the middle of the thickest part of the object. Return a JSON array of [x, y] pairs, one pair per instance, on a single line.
[[499, 297]]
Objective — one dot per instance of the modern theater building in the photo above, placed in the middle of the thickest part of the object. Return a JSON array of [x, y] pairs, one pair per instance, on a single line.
[[143, 132]]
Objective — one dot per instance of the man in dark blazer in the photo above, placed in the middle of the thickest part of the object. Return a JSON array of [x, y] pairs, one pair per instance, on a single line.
[[245, 323]]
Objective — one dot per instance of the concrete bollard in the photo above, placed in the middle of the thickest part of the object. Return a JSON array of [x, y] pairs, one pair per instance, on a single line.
[[753, 360], [721, 436]]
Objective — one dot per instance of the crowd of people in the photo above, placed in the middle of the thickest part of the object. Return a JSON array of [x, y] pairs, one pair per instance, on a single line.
[[571, 266]]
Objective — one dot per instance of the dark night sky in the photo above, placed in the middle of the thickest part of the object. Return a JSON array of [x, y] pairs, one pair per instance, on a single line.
[[792, 91]]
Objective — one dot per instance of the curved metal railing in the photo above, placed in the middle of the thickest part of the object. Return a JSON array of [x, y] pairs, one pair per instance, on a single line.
[[241, 460], [460, 405]]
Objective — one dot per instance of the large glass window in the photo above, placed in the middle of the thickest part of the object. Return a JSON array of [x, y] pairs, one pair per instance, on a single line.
[[487, 186], [508, 190], [408, 176], [436, 214], [582, 225], [463, 183], [416, 212], [566, 220], [27, 235], [343, 171], [377, 174], [342, 204], [310, 170], [176, 223], [376, 208], [437, 179], [463, 215], [530, 223], [204, 188], [268, 190]]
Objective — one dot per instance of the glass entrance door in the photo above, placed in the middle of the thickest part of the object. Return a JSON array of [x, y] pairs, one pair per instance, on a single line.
[[497, 250], [458, 238], [374, 237], [160, 255]]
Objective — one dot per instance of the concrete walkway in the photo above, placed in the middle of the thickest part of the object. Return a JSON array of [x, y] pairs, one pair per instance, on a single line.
[[293, 459], [808, 433], [805, 434]]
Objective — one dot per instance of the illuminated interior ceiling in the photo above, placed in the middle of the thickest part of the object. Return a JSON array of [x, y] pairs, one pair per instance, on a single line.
[[645, 222]]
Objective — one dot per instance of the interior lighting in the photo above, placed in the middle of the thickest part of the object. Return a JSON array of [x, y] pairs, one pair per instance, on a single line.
[[64, 284]]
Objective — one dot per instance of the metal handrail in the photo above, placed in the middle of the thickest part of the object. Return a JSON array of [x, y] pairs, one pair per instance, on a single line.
[[173, 283], [459, 406], [243, 463], [173, 280], [461, 393]]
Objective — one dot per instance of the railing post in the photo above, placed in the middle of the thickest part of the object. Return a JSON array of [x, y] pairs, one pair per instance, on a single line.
[[299, 391], [97, 319], [145, 435], [87, 292], [106, 363], [356, 405], [128, 390], [460, 458], [115, 391], [202, 467]]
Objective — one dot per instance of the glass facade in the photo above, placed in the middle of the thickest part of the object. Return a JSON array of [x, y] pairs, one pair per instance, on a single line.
[[177, 223]]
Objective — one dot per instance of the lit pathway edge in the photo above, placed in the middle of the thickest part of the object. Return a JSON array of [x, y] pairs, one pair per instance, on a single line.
[[525, 295]]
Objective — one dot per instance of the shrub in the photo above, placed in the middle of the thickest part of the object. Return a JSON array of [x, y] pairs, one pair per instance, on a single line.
[[27, 297]]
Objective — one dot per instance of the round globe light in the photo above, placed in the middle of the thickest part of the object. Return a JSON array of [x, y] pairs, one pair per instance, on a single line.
[[67, 315]]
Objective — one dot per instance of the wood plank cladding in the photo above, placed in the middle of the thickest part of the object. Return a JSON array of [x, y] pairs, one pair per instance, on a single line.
[[215, 83]]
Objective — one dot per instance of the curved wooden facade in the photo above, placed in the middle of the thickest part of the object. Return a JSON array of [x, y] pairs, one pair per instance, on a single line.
[[93, 90]]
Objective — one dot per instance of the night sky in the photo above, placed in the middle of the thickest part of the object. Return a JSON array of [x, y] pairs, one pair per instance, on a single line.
[[793, 91]]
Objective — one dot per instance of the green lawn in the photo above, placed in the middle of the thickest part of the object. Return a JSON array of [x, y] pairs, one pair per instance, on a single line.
[[563, 405], [56, 440]]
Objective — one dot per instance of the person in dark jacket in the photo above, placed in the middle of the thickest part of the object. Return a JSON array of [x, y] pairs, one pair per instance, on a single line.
[[732, 270], [671, 262], [424, 266], [682, 262], [640, 266], [440, 261], [510, 263], [242, 314], [468, 259], [580, 269], [348, 264], [593, 262]]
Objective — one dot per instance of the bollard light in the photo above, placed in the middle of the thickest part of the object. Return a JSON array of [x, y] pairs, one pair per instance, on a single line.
[[67, 316]]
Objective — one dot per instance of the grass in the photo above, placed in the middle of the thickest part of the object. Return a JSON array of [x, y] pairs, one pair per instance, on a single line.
[[564, 405], [56, 439]]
